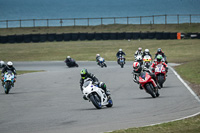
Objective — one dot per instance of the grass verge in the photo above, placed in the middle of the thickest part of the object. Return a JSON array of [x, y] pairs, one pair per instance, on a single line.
[[184, 28], [20, 72]]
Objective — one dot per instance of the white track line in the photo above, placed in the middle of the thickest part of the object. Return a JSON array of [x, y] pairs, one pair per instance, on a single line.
[[179, 77]]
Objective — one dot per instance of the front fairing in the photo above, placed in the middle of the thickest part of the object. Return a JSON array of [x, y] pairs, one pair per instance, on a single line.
[[9, 76]]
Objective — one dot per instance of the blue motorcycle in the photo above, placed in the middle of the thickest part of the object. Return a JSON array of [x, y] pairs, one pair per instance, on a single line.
[[8, 79]]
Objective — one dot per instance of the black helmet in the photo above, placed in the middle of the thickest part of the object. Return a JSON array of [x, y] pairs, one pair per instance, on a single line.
[[159, 50]]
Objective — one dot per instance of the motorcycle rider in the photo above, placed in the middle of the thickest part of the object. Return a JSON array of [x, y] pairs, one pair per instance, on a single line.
[[146, 52], [160, 52], [97, 58], [159, 61], [139, 59], [120, 52], [6, 68], [68, 59], [138, 52], [137, 69], [85, 74]]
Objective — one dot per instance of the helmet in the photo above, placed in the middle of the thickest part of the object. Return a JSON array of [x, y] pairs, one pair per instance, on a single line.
[[136, 66], [68, 57], [159, 50], [146, 51], [84, 73], [139, 49], [97, 55], [139, 58], [9, 64], [159, 58], [120, 49]]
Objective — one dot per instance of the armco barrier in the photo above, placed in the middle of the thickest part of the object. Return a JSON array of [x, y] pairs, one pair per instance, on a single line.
[[90, 36], [59, 37], [27, 38], [35, 38], [83, 36], [98, 36], [11, 38]]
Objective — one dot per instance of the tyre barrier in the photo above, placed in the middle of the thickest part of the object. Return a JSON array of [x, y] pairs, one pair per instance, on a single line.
[[94, 36]]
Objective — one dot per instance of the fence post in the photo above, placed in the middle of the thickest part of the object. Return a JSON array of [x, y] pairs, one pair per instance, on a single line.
[[47, 22], [61, 22], [178, 18], [153, 19], [165, 19], [6, 23], [33, 22], [127, 20], [88, 22], [20, 23], [74, 21]]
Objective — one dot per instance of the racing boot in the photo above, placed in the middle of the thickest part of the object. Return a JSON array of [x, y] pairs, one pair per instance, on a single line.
[[84, 97]]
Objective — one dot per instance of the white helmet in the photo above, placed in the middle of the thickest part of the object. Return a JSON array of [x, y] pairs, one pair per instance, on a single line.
[[97, 55], [9, 64], [120, 49], [146, 50], [68, 57]]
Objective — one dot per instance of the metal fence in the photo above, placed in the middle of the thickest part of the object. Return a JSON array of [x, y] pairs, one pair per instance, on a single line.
[[154, 19]]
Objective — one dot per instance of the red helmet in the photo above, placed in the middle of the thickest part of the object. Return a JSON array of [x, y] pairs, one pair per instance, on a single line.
[[136, 66]]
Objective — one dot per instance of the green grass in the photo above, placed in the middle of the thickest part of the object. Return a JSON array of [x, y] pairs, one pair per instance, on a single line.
[[23, 72], [179, 51], [190, 125], [184, 28]]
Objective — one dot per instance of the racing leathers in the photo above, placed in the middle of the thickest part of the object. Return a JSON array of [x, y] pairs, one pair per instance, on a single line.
[[118, 55]]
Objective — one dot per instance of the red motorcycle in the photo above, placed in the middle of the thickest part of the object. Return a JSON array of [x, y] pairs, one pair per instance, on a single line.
[[160, 73], [148, 84]]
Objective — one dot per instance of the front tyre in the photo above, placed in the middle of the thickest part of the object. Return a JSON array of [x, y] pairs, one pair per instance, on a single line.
[[96, 101], [7, 87], [150, 90]]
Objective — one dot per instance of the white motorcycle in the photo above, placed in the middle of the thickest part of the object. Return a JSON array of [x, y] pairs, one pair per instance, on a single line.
[[102, 62], [96, 95], [8, 79]]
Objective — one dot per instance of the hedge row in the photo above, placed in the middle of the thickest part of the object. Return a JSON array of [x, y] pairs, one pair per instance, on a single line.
[[90, 36]]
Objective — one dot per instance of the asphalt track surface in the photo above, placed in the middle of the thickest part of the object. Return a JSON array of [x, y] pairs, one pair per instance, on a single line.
[[51, 101]]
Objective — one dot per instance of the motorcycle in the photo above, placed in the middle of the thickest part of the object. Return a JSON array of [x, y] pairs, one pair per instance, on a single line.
[[121, 61], [160, 73], [8, 79], [72, 63], [96, 95], [148, 84], [102, 62], [147, 61]]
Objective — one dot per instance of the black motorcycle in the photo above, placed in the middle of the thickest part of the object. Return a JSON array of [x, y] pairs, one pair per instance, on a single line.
[[71, 63]]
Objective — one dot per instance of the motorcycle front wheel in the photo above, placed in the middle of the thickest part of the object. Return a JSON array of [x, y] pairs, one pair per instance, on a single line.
[[150, 90], [7, 87], [96, 101]]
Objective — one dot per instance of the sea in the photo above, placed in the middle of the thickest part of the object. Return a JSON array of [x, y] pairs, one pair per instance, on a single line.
[[74, 9]]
